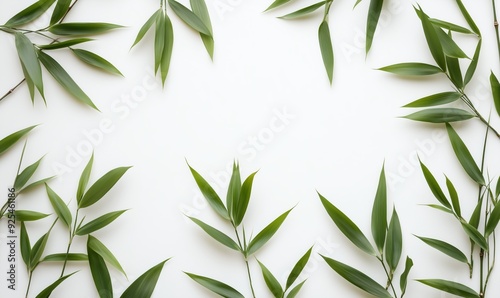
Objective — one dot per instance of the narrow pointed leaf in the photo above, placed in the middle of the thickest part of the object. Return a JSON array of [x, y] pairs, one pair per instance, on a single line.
[[394, 246], [99, 223], [159, 39], [475, 236], [216, 286], [455, 202], [26, 174], [445, 248], [347, 227], [432, 38], [325, 45], [271, 281], [455, 72], [81, 28], [434, 100], [100, 273], [30, 13], [167, 49], [440, 115], [450, 26], [28, 56], [464, 156], [37, 250], [468, 18], [434, 186], [84, 179], [233, 191], [476, 214], [60, 10], [412, 69], [495, 89], [29, 82], [303, 12], [35, 184], [64, 44], [266, 234], [191, 19], [473, 64], [48, 290], [144, 286], [25, 245], [96, 61], [493, 220], [210, 195], [102, 186], [497, 189], [59, 206], [11, 139], [145, 28], [371, 24], [450, 47], [241, 205], [200, 9], [277, 3], [358, 278], [379, 213], [61, 257], [403, 280], [216, 234], [99, 248], [26, 215], [297, 269], [450, 287], [440, 208], [295, 291], [64, 79]]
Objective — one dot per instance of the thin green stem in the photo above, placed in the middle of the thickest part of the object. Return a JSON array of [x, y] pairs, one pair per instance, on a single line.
[[72, 234], [390, 276], [244, 252], [250, 278], [495, 24], [327, 9], [30, 275]]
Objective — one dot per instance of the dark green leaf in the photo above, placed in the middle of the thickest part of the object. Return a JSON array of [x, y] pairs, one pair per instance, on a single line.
[[445, 248], [60, 11], [240, 206], [277, 3], [64, 79], [434, 186], [493, 220], [200, 9], [266, 234], [26, 174], [102, 186], [432, 38], [495, 89], [468, 18], [394, 245], [159, 39], [455, 72], [25, 245], [81, 28], [233, 191], [379, 213], [167, 49], [37, 250], [371, 24], [191, 19], [476, 214], [99, 223], [412, 69], [48, 290], [96, 61], [440, 115], [434, 100], [99, 248], [11, 139], [450, 287], [475, 236], [100, 273], [358, 278], [325, 44], [59, 206], [216, 286], [144, 286], [29, 82], [304, 11], [403, 280], [455, 202], [216, 234], [473, 64], [295, 291], [64, 44], [26, 215], [30, 13], [450, 26], [464, 156], [271, 281], [84, 179], [28, 56], [497, 189], [210, 195], [297, 269], [347, 227], [62, 257], [450, 47]]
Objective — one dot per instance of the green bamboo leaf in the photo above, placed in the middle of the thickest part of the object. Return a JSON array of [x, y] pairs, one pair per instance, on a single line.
[[371, 24], [493, 220], [474, 235], [464, 156], [200, 9], [60, 11], [35, 184], [102, 186], [271, 281], [96, 61], [450, 26], [445, 248], [145, 28], [450, 287], [394, 245], [27, 215], [99, 248], [100, 273], [64, 44], [216, 234], [347, 227], [266, 234], [26, 174], [303, 12], [29, 82], [28, 56], [450, 47], [295, 291], [497, 189], [297, 269], [356, 4], [476, 214], [37, 250], [325, 44], [440, 208], [434, 186], [277, 3], [379, 213], [455, 202], [167, 49], [412, 69], [59, 206], [25, 245], [233, 191], [358, 278], [159, 39], [84, 179], [48, 290], [99, 223], [434, 100], [62, 257], [216, 286], [82, 28], [11, 139], [455, 72], [191, 19], [432, 38], [30, 13], [241, 205], [403, 280], [210, 195], [473, 64], [64, 79], [495, 89], [468, 18], [144, 286], [440, 115]]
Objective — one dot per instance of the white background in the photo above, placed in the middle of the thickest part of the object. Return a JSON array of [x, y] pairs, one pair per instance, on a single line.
[[335, 141]]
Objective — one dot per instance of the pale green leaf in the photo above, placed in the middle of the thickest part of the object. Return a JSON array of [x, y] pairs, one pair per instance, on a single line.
[[304, 11], [102, 186], [59, 206], [96, 61], [412, 69], [450, 287], [325, 45], [440, 115], [216, 286], [189, 17], [434, 100], [30, 13], [81, 28]]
